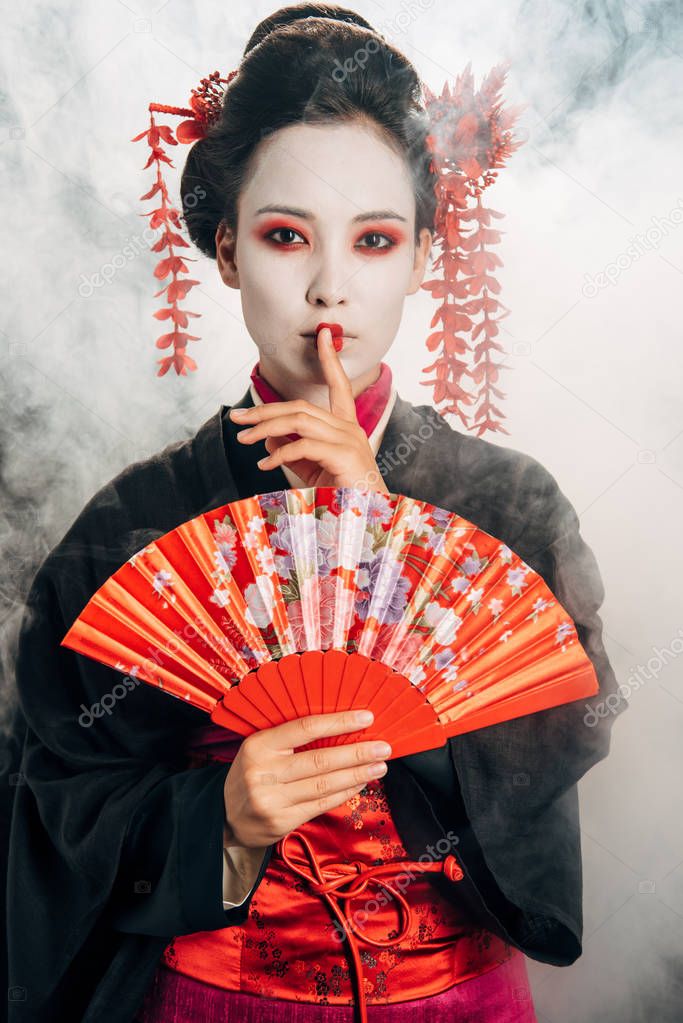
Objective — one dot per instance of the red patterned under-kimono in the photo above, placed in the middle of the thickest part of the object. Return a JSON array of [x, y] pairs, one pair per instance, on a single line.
[[316, 951]]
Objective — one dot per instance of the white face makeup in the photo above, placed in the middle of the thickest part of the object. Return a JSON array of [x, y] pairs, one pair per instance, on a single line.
[[325, 235]]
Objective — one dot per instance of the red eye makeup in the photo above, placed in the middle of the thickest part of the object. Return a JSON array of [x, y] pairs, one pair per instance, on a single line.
[[264, 232], [391, 237]]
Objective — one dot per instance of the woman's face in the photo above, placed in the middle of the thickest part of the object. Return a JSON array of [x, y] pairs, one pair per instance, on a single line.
[[326, 234]]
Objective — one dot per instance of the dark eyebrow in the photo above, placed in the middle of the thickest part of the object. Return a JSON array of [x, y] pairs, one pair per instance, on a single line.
[[293, 211]]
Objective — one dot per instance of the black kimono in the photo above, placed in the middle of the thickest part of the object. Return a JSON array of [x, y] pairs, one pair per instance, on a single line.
[[116, 846]]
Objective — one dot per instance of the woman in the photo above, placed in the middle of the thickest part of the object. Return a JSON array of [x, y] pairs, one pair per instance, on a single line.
[[319, 208]]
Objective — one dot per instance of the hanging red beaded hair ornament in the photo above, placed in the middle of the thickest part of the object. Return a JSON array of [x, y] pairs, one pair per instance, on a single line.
[[470, 138]]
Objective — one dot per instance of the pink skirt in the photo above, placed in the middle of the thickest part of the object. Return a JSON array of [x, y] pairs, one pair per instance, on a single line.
[[502, 995]]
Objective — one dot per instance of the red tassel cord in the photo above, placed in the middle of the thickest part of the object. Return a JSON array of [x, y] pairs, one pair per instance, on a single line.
[[205, 105], [471, 136]]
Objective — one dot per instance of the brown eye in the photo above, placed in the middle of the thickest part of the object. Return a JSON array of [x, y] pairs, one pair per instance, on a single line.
[[376, 234], [286, 230]]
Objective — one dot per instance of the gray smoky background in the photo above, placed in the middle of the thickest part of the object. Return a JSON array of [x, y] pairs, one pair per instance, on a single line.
[[593, 276]]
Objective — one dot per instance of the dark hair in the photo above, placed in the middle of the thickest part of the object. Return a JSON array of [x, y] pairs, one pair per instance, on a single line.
[[286, 77]]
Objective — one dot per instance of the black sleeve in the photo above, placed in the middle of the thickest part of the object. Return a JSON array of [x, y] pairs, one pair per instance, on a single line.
[[575, 735], [170, 879], [108, 820], [537, 758], [519, 778]]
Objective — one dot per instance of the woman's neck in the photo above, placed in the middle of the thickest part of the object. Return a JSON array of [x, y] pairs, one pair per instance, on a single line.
[[291, 387]]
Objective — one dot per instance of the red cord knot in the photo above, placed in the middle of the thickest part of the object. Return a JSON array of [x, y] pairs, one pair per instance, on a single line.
[[347, 881], [452, 869]]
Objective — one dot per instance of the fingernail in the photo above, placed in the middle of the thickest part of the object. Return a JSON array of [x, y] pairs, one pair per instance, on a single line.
[[381, 749], [238, 411], [377, 769], [365, 717]]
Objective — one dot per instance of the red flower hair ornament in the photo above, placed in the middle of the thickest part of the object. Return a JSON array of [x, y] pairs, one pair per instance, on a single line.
[[469, 140]]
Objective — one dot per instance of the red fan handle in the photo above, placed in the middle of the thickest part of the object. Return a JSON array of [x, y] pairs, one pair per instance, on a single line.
[[323, 682]]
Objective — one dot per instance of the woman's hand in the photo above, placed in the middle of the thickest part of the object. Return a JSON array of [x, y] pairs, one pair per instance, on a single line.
[[271, 790], [332, 449]]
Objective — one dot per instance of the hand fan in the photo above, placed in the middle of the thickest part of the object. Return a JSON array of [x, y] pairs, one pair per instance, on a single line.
[[320, 599]]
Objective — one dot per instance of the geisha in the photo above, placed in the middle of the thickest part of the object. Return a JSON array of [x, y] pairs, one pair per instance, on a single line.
[[154, 840]]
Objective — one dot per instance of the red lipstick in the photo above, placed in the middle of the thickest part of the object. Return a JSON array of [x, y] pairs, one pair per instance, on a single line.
[[337, 330]]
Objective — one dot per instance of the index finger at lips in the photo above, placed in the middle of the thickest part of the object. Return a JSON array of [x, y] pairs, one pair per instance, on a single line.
[[331, 339], [342, 402]]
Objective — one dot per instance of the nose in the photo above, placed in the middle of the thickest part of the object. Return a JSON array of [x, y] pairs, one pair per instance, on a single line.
[[329, 284]]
